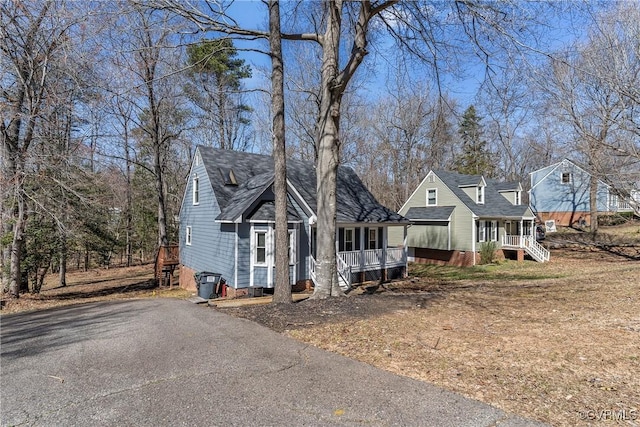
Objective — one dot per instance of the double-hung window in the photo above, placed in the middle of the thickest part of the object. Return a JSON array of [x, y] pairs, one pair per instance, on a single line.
[[196, 189], [480, 231], [372, 238], [480, 195], [188, 235], [348, 239], [432, 197], [260, 247]]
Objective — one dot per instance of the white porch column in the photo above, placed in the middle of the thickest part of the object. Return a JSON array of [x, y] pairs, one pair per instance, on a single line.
[[362, 237], [383, 262], [405, 252]]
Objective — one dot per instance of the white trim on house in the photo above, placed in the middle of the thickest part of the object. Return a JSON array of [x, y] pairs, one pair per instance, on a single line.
[[424, 180], [480, 195], [235, 267], [188, 238], [270, 254], [435, 197], [195, 189], [301, 200]]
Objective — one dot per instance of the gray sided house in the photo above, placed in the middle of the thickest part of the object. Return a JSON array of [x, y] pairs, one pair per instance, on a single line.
[[227, 223], [560, 193], [453, 215]]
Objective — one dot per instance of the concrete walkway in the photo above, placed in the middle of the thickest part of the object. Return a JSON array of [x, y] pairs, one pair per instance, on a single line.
[[165, 362]]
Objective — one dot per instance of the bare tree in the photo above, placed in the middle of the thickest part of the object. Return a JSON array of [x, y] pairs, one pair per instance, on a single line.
[[33, 39], [150, 56], [592, 87]]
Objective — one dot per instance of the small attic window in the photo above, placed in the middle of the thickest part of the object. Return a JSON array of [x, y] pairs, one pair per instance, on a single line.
[[197, 159], [228, 177]]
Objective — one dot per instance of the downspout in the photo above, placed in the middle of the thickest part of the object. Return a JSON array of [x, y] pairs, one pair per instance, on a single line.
[[405, 248], [361, 248]]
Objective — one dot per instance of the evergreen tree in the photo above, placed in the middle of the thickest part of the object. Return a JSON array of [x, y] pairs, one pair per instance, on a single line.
[[475, 158], [216, 76]]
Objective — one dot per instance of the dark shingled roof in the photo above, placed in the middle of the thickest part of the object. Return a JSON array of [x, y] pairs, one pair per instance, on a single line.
[[430, 213], [254, 175], [266, 212], [495, 205]]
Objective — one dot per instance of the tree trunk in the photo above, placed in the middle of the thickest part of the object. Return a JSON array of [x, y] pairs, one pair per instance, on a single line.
[[62, 274], [17, 243], [282, 292], [129, 208], [593, 201], [163, 239], [328, 158]]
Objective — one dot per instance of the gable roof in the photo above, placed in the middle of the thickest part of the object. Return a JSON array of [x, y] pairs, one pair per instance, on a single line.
[[495, 205], [552, 168], [254, 174]]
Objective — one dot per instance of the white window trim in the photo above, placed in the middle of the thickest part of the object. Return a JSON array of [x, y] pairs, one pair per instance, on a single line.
[[195, 193], [375, 240], [292, 247], [482, 231], [254, 248], [569, 181], [188, 238], [494, 231], [435, 192], [480, 195], [353, 239]]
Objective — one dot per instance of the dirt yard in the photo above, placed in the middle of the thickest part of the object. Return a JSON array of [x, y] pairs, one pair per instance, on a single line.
[[557, 342]]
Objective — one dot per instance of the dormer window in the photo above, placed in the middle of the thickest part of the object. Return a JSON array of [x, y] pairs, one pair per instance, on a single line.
[[196, 189], [518, 198], [480, 195], [228, 177]]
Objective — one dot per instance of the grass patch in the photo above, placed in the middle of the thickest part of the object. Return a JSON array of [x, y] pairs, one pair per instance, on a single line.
[[507, 270]]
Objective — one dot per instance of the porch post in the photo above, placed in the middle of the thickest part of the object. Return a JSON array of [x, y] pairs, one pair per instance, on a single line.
[[384, 248], [361, 248], [405, 253]]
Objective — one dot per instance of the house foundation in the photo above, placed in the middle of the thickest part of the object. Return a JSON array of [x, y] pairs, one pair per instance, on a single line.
[[441, 257]]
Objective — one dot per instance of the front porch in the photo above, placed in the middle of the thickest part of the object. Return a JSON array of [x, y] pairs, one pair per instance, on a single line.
[[363, 265]]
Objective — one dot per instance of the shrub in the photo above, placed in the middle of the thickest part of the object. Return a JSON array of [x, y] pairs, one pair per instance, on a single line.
[[488, 252]]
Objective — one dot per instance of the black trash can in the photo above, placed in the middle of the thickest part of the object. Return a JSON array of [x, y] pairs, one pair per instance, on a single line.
[[209, 284]]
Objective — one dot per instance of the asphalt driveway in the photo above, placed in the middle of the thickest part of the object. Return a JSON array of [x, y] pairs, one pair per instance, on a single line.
[[164, 362]]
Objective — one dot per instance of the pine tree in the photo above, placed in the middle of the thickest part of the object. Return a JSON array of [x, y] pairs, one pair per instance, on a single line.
[[476, 158]]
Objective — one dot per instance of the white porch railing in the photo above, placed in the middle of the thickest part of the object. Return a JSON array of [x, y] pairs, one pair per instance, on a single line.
[[373, 259], [312, 268], [357, 261], [529, 244], [344, 272], [396, 257]]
